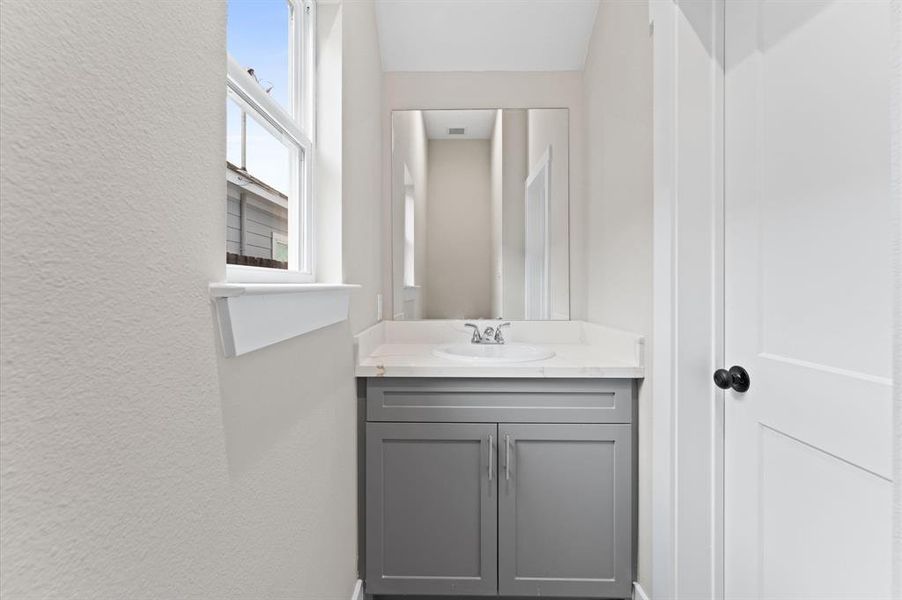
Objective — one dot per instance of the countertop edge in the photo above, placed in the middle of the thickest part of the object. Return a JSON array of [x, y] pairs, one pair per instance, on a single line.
[[485, 372]]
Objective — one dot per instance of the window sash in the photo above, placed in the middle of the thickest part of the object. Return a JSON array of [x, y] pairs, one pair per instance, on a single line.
[[292, 130]]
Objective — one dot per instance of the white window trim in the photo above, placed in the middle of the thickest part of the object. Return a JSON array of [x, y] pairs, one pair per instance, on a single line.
[[292, 129]]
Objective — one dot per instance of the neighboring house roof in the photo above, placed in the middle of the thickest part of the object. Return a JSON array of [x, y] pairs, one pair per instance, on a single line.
[[258, 186]]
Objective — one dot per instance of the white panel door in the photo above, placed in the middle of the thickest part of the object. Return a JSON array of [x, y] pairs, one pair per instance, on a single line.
[[807, 506]]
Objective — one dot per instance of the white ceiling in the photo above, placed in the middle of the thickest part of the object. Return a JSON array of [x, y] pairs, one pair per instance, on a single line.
[[485, 35], [478, 124]]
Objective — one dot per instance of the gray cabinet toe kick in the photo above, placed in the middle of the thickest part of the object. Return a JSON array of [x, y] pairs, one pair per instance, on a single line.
[[497, 487]]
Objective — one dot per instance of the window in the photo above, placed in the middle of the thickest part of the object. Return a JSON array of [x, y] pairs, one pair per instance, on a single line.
[[269, 140]]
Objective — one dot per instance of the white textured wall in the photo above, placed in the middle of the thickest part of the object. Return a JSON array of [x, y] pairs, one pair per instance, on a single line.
[[458, 244], [619, 194], [135, 461], [562, 89]]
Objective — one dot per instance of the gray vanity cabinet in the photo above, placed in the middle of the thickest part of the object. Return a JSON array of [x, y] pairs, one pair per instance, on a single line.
[[509, 506], [431, 508], [564, 522]]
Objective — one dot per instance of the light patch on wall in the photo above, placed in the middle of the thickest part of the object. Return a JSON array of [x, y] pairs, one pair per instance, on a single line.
[[475, 35]]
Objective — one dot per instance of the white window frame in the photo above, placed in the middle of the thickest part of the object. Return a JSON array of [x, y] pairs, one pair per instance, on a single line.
[[294, 127]]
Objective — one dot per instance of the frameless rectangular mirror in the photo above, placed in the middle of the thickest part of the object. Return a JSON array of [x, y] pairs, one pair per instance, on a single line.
[[480, 214]]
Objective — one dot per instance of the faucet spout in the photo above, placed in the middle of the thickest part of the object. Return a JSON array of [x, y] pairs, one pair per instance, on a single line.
[[499, 339], [491, 335], [477, 337]]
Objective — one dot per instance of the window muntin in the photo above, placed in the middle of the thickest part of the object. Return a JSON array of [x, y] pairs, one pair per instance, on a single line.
[[269, 146], [234, 133], [266, 157]]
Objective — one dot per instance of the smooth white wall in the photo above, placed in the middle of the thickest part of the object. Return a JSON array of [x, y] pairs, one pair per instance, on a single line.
[[362, 170], [561, 89], [136, 461], [497, 174], [410, 151], [327, 178], [618, 115], [458, 244], [513, 234], [547, 129]]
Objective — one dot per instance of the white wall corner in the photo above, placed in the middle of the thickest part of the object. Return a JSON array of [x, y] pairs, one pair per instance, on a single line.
[[639, 593]]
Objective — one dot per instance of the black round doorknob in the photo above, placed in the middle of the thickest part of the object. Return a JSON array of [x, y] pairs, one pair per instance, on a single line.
[[722, 379], [736, 378]]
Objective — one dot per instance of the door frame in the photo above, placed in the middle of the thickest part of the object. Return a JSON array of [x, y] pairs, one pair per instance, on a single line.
[[688, 106], [687, 414], [896, 191]]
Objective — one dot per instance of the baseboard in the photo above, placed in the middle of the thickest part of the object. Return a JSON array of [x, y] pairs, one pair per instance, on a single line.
[[357, 594], [638, 592]]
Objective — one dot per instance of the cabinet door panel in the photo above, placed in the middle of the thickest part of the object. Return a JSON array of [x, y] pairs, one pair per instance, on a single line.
[[565, 510], [431, 508]]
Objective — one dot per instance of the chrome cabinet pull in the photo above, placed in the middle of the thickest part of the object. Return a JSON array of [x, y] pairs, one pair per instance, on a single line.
[[491, 445], [507, 457]]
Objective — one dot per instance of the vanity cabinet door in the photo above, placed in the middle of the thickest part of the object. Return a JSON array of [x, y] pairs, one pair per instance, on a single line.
[[565, 520], [431, 508]]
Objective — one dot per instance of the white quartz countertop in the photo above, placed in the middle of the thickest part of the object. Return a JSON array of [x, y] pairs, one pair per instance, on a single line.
[[406, 349]]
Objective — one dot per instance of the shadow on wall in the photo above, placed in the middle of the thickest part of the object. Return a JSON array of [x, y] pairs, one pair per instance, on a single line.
[[791, 16], [305, 383]]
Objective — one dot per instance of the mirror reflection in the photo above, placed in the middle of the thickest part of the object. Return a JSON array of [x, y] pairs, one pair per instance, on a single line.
[[480, 214]]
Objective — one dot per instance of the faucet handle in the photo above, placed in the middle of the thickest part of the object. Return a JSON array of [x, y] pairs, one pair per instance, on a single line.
[[477, 337], [498, 337]]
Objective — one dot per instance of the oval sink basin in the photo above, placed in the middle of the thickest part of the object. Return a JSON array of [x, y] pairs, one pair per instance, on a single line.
[[494, 354]]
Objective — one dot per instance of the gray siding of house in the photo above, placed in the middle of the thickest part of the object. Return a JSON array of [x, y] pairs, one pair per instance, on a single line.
[[260, 223]]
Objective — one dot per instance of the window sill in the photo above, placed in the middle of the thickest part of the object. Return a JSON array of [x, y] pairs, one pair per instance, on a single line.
[[242, 274], [255, 315]]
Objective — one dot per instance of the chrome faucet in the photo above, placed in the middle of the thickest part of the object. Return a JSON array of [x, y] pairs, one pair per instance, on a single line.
[[477, 337], [499, 339], [491, 335]]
